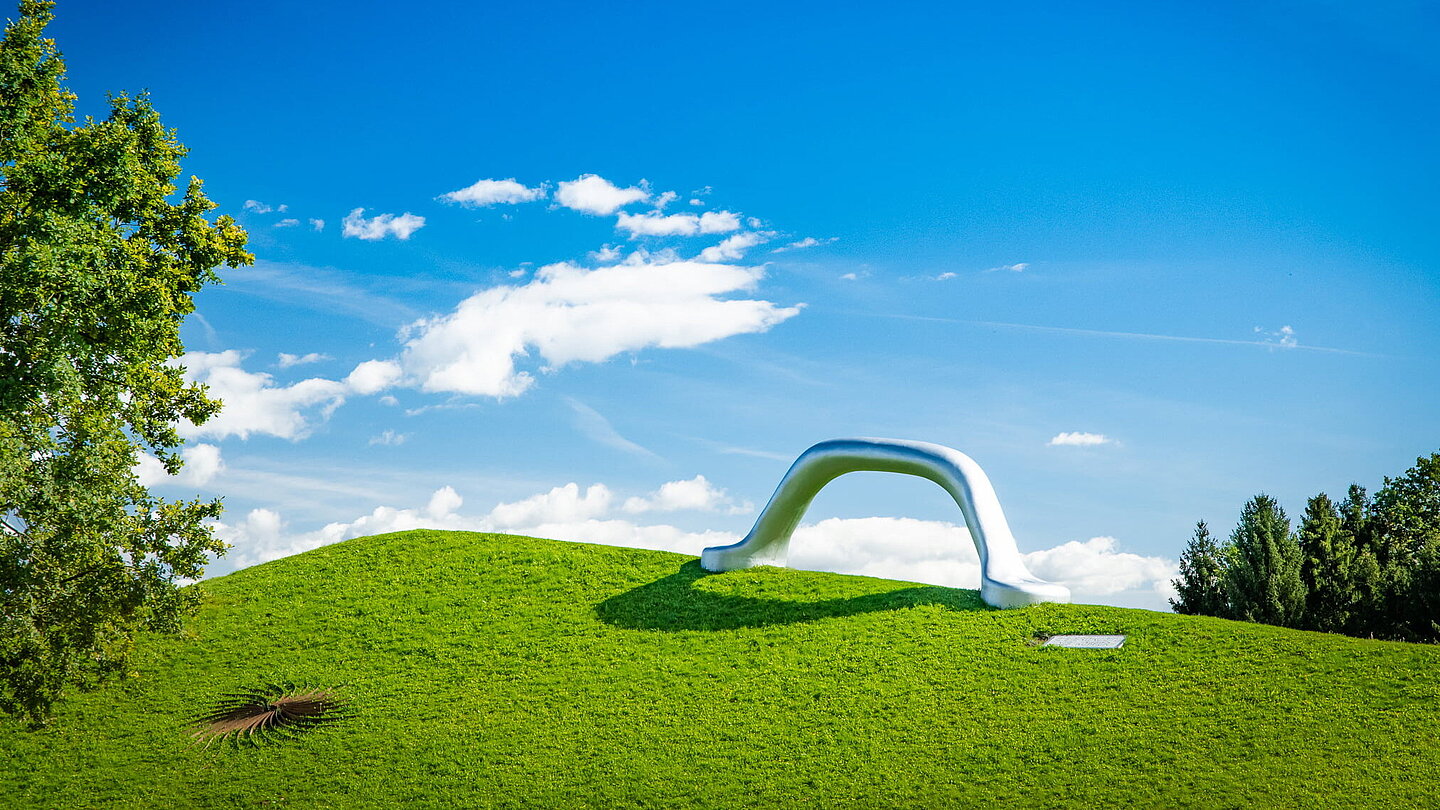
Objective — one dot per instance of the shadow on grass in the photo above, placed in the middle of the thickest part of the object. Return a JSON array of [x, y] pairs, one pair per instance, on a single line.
[[673, 603]]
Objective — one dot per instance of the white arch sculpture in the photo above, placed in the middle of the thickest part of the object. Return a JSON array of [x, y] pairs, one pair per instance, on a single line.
[[1005, 582]]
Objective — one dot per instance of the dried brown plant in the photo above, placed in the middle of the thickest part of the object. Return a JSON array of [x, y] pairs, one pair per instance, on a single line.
[[270, 712]]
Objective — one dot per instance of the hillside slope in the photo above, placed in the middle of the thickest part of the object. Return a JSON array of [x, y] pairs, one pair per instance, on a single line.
[[491, 670]]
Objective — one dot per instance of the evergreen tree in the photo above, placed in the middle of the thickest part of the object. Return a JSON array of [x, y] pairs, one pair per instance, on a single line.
[[1200, 590], [1328, 567], [1262, 578]]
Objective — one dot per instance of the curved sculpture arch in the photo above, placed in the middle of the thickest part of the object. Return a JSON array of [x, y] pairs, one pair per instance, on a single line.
[[1005, 582]]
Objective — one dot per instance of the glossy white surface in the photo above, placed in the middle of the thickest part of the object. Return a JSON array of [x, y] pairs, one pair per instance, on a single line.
[[1004, 580]]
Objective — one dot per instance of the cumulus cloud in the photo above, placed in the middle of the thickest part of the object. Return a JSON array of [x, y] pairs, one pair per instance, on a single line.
[[654, 224], [287, 223], [317, 224], [606, 254], [658, 224], [373, 376], [381, 225], [1097, 568], [1078, 439], [593, 194], [563, 504], [288, 360], [942, 553], [202, 463], [257, 206], [254, 404], [569, 314], [696, 494], [664, 199], [733, 247], [494, 192]]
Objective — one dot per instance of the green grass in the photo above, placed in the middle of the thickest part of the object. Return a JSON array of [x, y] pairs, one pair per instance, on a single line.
[[489, 670]]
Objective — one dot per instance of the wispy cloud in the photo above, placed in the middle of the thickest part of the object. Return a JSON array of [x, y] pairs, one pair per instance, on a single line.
[[807, 242], [1018, 267], [320, 288], [1065, 330], [597, 428], [389, 438]]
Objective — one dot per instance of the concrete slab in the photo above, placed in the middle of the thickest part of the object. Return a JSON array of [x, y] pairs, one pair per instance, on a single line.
[[1085, 642]]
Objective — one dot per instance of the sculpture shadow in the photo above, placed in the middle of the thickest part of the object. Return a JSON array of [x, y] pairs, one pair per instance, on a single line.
[[672, 603]]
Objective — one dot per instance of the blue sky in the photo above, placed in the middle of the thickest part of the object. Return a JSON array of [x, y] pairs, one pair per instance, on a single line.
[[1141, 261]]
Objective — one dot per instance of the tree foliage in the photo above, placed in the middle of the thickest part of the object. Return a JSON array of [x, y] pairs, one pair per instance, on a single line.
[[1328, 568], [1362, 567], [98, 266], [1200, 589], [1263, 577]]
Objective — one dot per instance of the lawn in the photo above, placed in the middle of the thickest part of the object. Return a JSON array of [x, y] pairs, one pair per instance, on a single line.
[[492, 670]]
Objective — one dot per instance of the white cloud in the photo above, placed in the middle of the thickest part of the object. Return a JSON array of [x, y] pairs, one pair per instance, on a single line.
[[696, 202], [373, 376], [942, 553], [202, 463], [606, 254], [564, 504], [733, 247], [594, 194], [658, 225], [569, 314], [317, 224], [807, 242], [946, 276], [695, 494], [654, 224], [722, 222], [287, 223], [257, 206], [253, 404], [389, 438], [381, 225], [288, 360], [665, 199], [1095, 568], [494, 192], [1284, 337], [1078, 439], [1018, 267]]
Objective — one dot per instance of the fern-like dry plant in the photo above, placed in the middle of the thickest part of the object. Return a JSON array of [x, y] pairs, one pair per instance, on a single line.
[[269, 713]]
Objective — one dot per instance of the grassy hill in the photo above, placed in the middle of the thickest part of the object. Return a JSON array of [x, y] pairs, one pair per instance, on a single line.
[[490, 670]]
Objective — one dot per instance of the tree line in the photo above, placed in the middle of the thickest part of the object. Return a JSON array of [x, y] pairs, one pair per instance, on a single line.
[[1364, 566]]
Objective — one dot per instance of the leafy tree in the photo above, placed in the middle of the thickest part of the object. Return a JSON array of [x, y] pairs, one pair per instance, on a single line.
[[1263, 575], [97, 269], [1328, 568], [1200, 590], [1405, 533]]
